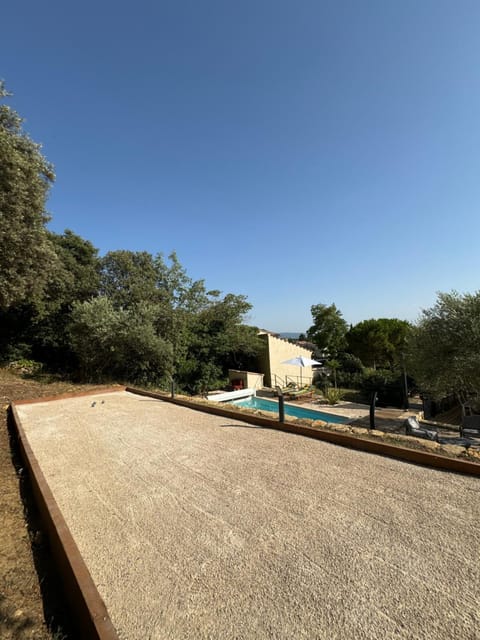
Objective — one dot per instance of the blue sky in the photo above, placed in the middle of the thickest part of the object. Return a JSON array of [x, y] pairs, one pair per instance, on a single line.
[[296, 152]]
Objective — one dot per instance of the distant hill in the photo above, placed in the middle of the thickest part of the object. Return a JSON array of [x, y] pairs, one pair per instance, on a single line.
[[289, 336]]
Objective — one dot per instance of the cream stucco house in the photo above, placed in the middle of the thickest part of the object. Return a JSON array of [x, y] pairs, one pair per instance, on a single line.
[[270, 363]]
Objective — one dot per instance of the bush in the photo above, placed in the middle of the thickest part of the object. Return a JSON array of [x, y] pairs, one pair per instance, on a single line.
[[350, 363], [10, 353], [332, 395], [350, 379], [119, 344], [353, 395], [388, 385], [25, 366]]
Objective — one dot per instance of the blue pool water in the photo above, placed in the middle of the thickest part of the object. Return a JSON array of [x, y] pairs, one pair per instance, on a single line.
[[253, 402]]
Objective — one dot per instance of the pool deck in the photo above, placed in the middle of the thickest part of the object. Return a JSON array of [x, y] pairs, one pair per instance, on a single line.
[[197, 526]]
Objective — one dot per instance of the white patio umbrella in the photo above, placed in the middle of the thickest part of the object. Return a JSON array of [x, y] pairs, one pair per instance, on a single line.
[[301, 361]]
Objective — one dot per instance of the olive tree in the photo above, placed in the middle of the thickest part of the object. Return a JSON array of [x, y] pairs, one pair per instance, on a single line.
[[121, 344], [26, 253], [444, 347]]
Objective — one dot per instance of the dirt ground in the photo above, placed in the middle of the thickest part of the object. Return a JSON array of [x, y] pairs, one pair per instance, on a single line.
[[30, 602]]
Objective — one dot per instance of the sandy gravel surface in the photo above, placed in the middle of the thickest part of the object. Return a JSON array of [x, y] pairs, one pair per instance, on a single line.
[[196, 526]]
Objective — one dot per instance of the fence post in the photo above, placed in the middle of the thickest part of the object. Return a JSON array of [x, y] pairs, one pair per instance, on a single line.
[[281, 406], [372, 410]]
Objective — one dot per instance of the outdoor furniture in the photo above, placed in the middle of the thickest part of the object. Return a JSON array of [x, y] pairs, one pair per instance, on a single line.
[[470, 426], [290, 388], [298, 393], [412, 428]]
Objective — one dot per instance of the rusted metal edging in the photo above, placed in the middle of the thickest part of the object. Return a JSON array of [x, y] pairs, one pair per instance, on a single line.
[[343, 439], [81, 593]]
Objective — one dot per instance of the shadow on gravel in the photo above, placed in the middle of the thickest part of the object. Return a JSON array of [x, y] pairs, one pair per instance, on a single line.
[[243, 426], [54, 605]]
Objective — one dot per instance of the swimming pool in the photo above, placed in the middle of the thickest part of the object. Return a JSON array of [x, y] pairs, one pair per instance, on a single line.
[[253, 402]]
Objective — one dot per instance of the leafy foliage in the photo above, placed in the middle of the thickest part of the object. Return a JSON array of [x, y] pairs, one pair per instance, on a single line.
[[387, 383], [333, 395], [25, 366], [444, 348], [350, 374], [41, 323], [118, 343], [79, 267], [219, 341], [75, 279], [26, 253], [333, 365], [152, 322], [328, 329], [128, 278], [378, 343]]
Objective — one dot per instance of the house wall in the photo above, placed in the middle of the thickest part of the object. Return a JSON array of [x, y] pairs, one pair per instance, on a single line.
[[277, 350], [250, 379]]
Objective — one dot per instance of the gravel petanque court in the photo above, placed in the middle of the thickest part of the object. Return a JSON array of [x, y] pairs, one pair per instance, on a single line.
[[198, 526]]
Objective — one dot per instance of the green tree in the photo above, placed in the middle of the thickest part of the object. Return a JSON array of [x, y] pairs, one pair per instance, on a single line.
[[154, 322], [334, 366], [181, 299], [26, 253], [444, 347], [328, 329], [75, 279], [378, 343], [128, 278], [80, 266], [219, 341], [38, 328], [350, 372], [120, 344], [131, 278]]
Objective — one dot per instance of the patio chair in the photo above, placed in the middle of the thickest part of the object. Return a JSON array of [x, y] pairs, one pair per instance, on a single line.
[[412, 428], [290, 388], [470, 426], [298, 393]]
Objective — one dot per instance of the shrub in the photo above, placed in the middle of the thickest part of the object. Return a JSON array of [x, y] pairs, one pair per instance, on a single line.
[[25, 366], [350, 379], [388, 384], [332, 395], [119, 344]]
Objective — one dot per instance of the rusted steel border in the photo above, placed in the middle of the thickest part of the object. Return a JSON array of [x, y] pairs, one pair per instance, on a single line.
[[343, 439], [82, 595]]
